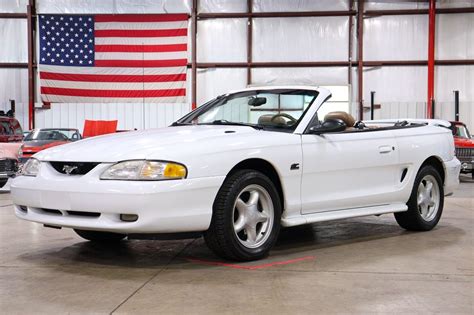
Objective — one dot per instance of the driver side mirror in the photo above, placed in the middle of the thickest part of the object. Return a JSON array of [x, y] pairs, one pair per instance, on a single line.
[[329, 125]]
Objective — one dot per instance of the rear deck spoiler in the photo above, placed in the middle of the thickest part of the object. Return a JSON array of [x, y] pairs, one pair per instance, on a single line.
[[430, 122]]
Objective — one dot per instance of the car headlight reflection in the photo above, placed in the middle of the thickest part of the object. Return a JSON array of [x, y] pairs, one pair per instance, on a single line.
[[145, 170], [31, 167]]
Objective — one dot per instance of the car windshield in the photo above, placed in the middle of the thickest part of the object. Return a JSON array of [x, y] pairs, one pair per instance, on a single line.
[[280, 110], [461, 131], [53, 135]]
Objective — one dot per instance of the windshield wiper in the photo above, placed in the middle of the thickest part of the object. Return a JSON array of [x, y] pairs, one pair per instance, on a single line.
[[232, 123]]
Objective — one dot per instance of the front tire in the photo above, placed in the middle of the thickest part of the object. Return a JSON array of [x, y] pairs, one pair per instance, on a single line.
[[100, 237], [426, 202], [246, 217]]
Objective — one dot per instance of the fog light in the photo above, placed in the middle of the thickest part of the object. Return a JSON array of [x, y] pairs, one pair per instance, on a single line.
[[129, 217]]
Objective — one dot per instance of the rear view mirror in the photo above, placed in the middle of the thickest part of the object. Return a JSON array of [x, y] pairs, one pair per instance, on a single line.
[[257, 101], [329, 125]]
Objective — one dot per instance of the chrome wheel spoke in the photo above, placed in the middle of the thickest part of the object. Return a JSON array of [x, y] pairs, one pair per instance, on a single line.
[[428, 197], [420, 198], [429, 188], [262, 217], [239, 224], [253, 214], [251, 233], [254, 197], [423, 210], [241, 206]]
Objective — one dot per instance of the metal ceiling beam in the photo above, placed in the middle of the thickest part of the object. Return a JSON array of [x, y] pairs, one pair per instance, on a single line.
[[349, 50], [13, 15], [273, 14], [31, 12], [431, 59], [13, 65], [316, 64], [360, 58], [194, 54], [418, 11], [249, 42]]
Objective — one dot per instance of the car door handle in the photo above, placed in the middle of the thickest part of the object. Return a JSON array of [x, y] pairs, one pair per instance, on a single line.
[[385, 149]]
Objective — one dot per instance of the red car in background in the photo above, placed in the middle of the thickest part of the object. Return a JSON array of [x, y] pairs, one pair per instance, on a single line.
[[11, 136], [40, 139], [464, 146], [10, 129]]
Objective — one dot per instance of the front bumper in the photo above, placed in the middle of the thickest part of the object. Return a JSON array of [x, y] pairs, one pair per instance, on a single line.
[[8, 168], [162, 206], [466, 165], [451, 181]]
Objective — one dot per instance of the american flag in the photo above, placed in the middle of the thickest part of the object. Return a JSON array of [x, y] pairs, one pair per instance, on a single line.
[[113, 58]]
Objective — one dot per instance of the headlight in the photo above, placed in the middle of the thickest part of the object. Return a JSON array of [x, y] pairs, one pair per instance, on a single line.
[[145, 170], [20, 151], [31, 167]]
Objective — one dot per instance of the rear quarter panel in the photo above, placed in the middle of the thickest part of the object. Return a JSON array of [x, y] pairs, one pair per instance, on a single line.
[[418, 144]]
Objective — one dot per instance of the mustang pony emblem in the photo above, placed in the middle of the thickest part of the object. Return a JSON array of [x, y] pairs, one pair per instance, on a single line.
[[68, 169]]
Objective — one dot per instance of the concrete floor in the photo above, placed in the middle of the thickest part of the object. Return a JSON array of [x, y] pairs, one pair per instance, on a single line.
[[364, 265]]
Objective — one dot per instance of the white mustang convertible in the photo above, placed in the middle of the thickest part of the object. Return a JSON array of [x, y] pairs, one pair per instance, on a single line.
[[240, 167]]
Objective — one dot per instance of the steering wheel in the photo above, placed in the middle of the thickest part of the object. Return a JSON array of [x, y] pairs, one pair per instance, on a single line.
[[289, 117]]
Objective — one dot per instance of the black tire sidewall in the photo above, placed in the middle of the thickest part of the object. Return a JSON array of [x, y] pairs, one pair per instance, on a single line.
[[241, 180], [413, 204]]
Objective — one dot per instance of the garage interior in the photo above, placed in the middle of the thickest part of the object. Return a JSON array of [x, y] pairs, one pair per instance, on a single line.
[[381, 59]]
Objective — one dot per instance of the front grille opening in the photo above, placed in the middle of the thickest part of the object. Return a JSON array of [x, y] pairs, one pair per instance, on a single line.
[[73, 168], [52, 211], [464, 152], [23, 208], [8, 166], [84, 214]]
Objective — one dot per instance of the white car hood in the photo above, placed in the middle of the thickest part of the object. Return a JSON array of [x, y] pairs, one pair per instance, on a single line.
[[163, 143]]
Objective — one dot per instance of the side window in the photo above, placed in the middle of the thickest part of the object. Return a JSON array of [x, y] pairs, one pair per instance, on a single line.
[[314, 121], [17, 128], [7, 130]]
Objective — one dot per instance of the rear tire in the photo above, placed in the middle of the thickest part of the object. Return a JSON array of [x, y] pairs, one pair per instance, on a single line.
[[426, 202], [102, 237], [246, 217]]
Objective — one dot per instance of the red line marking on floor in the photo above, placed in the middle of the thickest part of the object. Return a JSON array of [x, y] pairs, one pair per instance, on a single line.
[[267, 265]]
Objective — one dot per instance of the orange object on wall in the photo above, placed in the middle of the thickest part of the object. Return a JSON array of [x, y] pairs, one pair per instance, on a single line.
[[99, 127]]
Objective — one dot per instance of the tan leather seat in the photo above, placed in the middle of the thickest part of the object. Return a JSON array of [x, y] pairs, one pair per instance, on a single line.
[[345, 117], [267, 120]]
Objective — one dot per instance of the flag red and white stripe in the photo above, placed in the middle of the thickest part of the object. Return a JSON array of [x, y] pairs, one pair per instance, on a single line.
[[136, 58]]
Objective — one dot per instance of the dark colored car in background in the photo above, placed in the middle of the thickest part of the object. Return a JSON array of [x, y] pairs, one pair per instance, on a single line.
[[40, 139], [464, 146]]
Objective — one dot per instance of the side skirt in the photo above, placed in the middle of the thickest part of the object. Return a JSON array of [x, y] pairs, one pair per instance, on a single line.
[[342, 214]]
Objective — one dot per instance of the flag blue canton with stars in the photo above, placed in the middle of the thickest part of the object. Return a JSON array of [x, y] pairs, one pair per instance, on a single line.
[[66, 40]]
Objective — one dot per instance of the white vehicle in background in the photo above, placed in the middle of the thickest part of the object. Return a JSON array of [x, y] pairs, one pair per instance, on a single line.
[[237, 169]]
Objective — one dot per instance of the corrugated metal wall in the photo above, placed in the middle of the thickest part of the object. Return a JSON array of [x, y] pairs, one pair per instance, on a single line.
[[400, 90]]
